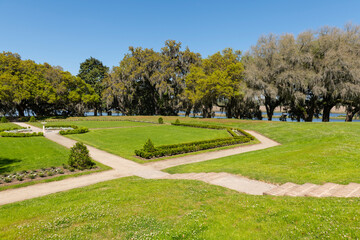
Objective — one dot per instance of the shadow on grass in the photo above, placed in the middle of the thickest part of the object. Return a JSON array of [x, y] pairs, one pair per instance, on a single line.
[[5, 164]]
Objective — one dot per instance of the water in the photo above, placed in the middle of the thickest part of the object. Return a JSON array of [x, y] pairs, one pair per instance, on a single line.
[[276, 117]]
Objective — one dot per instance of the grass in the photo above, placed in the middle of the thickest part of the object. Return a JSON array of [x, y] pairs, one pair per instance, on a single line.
[[94, 124], [134, 208], [124, 141], [8, 125], [30, 153], [310, 152]]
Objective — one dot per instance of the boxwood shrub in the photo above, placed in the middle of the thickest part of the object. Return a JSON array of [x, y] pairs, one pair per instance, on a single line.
[[173, 149], [9, 134], [74, 131]]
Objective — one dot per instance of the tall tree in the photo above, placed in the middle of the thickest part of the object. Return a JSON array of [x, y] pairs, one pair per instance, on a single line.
[[262, 71], [93, 72], [149, 82]]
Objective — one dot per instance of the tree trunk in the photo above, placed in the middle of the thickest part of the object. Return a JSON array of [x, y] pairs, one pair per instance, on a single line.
[[309, 116], [20, 110], [349, 116], [326, 113], [95, 111], [269, 111]]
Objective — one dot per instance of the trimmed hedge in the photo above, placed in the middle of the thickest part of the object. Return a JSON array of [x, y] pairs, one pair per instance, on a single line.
[[198, 125], [74, 131], [230, 130], [8, 134], [174, 149], [12, 128]]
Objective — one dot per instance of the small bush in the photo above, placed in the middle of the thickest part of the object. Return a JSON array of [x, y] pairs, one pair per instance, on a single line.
[[4, 120], [161, 120], [61, 171], [32, 176], [42, 174], [20, 177], [7, 180], [79, 157], [71, 169], [32, 119], [24, 119], [50, 173], [149, 146], [177, 121]]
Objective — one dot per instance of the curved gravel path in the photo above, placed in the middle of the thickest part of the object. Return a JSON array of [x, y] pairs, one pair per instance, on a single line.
[[123, 168]]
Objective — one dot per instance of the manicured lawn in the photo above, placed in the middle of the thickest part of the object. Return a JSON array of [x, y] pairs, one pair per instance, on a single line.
[[310, 152], [134, 208], [95, 124], [18, 154], [124, 141], [8, 125]]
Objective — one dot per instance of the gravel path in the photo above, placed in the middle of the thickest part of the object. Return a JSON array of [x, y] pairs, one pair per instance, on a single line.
[[123, 168]]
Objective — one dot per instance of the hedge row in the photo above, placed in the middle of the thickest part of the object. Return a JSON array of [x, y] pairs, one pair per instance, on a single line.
[[230, 130], [9, 134], [173, 149], [169, 150], [74, 131], [198, 125], [10, 129]]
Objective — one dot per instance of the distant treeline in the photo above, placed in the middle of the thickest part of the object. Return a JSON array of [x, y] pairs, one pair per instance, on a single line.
[[307, 75]]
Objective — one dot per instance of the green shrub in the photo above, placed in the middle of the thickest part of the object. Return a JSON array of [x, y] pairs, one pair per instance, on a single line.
[[7, 180], [4, 120], [32, 176], [24, 119], [149, 146], [50, 173], [74, 131], [177, 121], [79, 157], [32, 119], [161, 120], [20, 177], [9, 134]]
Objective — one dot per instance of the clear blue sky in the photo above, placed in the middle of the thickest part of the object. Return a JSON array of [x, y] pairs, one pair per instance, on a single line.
[[66, 32]]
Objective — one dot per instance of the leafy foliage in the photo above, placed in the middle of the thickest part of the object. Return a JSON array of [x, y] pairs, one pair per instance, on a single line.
[[41, 88], [149, 146], [79, 157], [32, 119], [4, 120], [93, 72], [161, 120], [10, 134]]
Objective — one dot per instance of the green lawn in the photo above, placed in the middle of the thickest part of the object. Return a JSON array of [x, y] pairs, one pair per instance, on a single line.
[[124, 141], [310, 152], [8, 125], [134, 208], [18, 154], [95, 124]]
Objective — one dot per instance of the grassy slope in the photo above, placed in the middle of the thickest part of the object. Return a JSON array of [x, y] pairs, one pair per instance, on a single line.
[[8, 125], [124, 141], [30, 153], [133, 208], [310, 152], [94, 124]]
